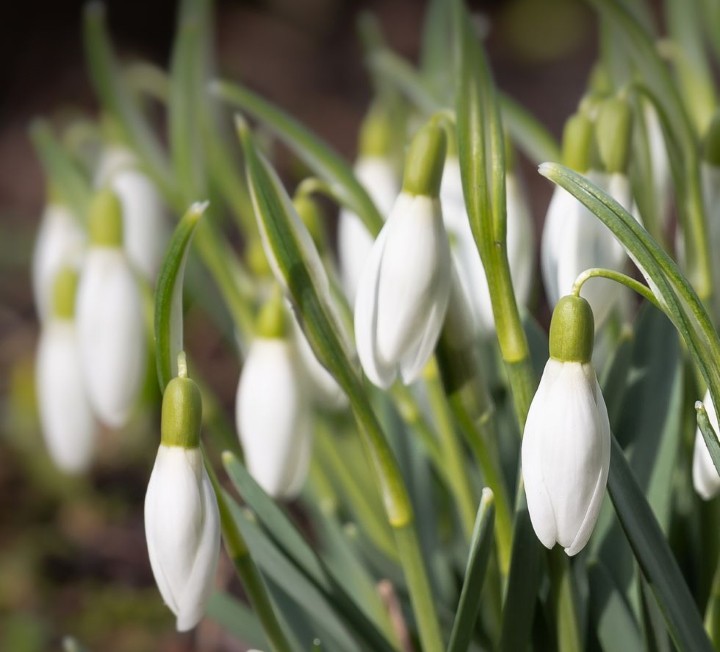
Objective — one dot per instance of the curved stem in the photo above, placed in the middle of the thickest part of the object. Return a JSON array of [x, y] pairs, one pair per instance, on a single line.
[[618, 277]]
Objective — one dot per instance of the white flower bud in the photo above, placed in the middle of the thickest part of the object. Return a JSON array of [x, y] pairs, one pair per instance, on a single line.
[[146, 228], [378, 176], [110, 320], [182, 527], [60, 241], [566, 444], [67, 420], [272, 417], [705, 476], [403, 292]]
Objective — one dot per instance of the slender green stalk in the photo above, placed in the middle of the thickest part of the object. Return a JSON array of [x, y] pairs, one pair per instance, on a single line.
[[246, 569], [712, 611], [618, 277], [564, 601], [455, 467]]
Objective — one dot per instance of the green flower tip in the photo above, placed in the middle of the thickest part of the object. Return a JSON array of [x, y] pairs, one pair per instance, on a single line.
[[425, 161], [376, 135], [711, 142], [572, 330], [105, 223], [577, 141], [600, 81], [256, 258], [613, 129], [64, 291], [272, 320], [181, 414], [309, 212]]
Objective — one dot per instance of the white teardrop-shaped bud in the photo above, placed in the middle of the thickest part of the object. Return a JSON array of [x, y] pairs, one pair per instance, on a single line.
[[566, 443], [520, 248], [377, 175], [182, 527], [110, 321], [272, 417], [403, 292], [67, 421], [705, 476], [60, 241], [146, 227]]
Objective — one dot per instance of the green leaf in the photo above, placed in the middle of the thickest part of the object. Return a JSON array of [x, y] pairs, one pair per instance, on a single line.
[[709, 434], [655, 558], [284, 534], [611, 617], [66, 177], [168, 296], [236, 618], [480, 548], [317, 154]]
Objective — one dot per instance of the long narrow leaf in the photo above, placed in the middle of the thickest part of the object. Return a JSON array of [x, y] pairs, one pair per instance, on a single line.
[[469, 604], [655, 557], [168, 296]]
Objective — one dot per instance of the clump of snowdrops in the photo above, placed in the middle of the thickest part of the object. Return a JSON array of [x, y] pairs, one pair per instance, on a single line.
[[470, 481]]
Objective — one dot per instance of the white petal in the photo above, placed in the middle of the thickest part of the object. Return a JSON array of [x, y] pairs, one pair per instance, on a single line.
[[174, 519], [271, 414], [354, 247], [60, 241], [520, 239], [200, 580], [379, 373], [561, 218], [378, 177], [65, 414], [705, 476], [111, 333], [414, 271]]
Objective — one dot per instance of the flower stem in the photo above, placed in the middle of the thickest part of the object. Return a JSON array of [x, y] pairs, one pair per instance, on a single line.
[[618, 277]]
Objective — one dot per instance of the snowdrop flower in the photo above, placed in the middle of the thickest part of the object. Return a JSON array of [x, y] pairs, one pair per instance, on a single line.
[[575, 240], [374, 169], [67, 420], [404, 288], [182, 524], [60, 241], [566, 444], [146, 229], [110, 320], [705, 476], [520, 248], [271, 410]]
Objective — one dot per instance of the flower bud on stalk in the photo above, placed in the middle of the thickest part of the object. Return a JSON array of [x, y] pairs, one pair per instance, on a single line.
[[705, 476], [60, 241], [566, 444], [271, 410], [182, 523], [375, 170], [404, 288], [67, 420], [146, 230], [110, 321]]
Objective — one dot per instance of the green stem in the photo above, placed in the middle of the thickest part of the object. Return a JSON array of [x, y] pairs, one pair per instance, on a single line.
[[712, 610], [618, 277], [455, 468], [246, 569], [564, 601]]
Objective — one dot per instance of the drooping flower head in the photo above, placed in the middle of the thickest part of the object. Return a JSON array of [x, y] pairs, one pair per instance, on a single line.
[[566, 443], [272, 411], [68, 424], [182, 523], [110, 322], [705, 476], [404, 288]]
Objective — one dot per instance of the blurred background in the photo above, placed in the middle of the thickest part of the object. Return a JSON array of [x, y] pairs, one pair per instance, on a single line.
[[72, 551]]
